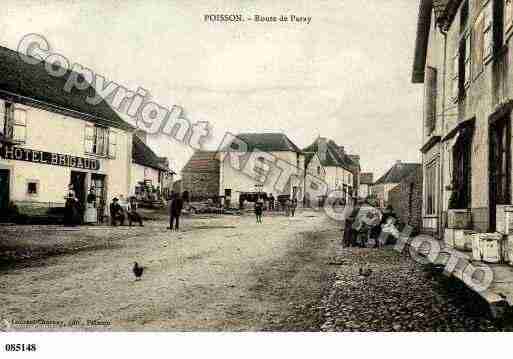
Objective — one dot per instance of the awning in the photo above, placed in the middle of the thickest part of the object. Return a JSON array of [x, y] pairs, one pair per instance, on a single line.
[[467, 124]]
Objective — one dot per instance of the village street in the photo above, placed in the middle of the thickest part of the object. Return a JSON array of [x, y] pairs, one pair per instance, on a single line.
[[224, 273]]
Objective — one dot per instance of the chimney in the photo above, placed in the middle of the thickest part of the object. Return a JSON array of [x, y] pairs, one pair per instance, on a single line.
[[322, 148]]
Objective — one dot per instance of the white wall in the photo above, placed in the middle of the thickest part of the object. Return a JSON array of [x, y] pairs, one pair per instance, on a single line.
[[243, 180], [51, 132]]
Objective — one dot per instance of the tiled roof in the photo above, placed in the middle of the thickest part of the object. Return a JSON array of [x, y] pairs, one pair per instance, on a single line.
[[333, 155], [144, 156], [202, 161], [268, 142], [31, 84], [366, 177], [398, 172]]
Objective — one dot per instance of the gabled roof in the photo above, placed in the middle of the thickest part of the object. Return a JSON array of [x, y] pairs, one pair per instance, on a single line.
[[398, 172], [268, 142], [144, 156], [202, 161], [366, 177], [32, 85], [333, 155]]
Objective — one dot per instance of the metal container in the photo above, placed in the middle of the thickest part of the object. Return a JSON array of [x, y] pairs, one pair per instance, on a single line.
[[504, 219], [491, 247], [459, 218], [449, 237], [462, 240]]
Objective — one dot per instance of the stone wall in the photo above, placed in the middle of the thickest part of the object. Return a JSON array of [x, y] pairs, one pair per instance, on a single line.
[[201, 185], [406, 199]]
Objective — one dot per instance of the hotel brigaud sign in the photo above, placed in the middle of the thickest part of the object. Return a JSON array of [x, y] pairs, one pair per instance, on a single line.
[[11, 152]]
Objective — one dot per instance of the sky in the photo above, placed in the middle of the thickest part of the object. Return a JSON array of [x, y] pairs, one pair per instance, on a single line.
[[345, 76]]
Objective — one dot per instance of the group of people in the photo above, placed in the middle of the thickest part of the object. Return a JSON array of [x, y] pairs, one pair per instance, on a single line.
[[365, 226], [290, 206], [124, 208]]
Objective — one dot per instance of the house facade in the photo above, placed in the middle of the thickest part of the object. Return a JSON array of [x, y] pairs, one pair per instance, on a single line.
[[53, 140], [391, 179], [263, 153], [151, 175], [339, 169], [314, 171], [462, 58], [366, 181]]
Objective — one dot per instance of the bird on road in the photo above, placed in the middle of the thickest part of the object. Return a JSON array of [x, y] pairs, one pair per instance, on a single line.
[[365, 273], [138, 271]]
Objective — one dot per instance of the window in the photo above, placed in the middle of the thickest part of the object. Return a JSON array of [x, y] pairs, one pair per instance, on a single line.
[[100, 141], [318, 170], [32, 188], [430, 100], [431, 172], [14, 123], [500, 161]]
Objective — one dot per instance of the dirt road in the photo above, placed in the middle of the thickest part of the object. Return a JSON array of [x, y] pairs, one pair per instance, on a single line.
[[226, 273]]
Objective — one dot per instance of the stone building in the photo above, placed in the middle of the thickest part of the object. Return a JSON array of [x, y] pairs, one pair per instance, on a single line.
[[314, 170], [406, 199], [463, 59], [201, 175], [391, 179]]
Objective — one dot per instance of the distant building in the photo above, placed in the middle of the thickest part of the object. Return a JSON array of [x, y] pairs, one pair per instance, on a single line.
[[390, 180], [366, 179], [340, 170], [201, 175], [150, 173], [314, 170], [235, 182]]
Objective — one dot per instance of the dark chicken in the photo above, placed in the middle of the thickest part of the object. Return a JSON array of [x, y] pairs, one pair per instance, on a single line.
[[138, 271]]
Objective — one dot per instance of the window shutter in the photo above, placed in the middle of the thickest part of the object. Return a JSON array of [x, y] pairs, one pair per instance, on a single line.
[[430, 100], [508, 16], [20, 125], [2, 118], [488, 31], [455, 78], [89, 138], [112, 144]]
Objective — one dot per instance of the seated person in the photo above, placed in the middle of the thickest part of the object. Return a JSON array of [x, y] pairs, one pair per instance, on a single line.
[[133, 216], [116, 213]]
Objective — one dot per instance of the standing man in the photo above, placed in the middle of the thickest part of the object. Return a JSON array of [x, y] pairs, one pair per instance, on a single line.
[[293, 207], [175, 210], [259, 208], [271, 202]]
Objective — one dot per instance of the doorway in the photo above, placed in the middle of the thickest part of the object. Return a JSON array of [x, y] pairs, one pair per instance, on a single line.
[[77, 181], [4, 192], [98, 183], [500, 167]]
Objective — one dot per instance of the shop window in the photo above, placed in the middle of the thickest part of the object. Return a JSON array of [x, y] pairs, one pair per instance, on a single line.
[[100, 141], [32, 188], [431, 173]]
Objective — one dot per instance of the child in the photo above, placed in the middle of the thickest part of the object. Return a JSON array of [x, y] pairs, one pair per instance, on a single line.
[[259, 208]]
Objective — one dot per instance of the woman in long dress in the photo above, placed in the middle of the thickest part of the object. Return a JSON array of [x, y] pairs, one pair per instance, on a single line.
[[91, 213]]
